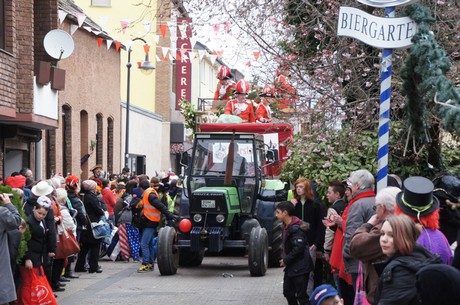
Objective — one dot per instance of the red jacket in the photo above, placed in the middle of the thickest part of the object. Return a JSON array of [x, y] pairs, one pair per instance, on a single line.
[[244, 110], [263, 113], [227, 94], [285, 91], [109, 198]]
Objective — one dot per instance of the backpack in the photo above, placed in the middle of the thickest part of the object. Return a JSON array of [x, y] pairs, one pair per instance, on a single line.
[[137, 208]]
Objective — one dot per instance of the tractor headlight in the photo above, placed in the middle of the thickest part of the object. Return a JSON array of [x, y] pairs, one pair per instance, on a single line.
[[197, 218], [220, 218]]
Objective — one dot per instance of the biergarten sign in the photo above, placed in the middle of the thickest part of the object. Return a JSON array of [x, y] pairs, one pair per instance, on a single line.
[[375, 31], [385, 33]]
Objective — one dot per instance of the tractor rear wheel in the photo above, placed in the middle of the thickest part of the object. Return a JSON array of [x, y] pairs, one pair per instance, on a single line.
[[258, 252], [189, 258], [276, 248], [167, 252]]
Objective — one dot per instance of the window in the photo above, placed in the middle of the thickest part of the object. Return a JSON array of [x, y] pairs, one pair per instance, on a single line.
[[2, 25], [101, 2], [66, 140], [110, 145], [99, 138]]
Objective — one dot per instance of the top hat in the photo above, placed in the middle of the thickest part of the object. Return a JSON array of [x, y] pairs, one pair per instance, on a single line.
[[417, 198], [42, 189]]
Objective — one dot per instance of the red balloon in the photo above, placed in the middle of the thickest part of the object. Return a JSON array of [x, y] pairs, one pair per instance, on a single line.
[[185, 225]]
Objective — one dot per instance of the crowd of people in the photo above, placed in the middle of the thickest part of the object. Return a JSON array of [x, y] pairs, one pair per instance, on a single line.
[[132, 206], [383, 248]]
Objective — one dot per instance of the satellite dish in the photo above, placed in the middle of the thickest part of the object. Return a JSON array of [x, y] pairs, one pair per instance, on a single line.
[[58, 44]]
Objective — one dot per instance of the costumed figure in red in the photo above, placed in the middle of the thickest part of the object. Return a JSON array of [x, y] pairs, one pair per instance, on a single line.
[[263, 111], [284, 90], [225, 86], [240, 106]]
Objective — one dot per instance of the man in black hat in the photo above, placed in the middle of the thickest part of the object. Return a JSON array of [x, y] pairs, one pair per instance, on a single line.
[[97, 172]]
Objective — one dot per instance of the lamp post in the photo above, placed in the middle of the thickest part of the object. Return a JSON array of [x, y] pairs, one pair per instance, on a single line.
[[147, 68]]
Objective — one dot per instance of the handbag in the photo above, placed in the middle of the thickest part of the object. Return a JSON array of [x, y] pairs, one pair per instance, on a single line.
[[67, 245], [35, 289], [100, 229], [360, 295]]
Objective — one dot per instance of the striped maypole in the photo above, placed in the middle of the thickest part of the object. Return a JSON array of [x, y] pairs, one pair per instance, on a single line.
[[384, 114]]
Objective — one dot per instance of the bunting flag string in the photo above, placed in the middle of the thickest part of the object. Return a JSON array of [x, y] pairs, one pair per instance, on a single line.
[[175, 29]]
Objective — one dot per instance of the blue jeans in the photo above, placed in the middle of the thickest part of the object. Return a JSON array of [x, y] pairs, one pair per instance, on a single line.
[[147, 245]]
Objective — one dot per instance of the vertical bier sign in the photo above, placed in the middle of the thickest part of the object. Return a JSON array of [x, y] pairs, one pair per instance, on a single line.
[[183, 65]]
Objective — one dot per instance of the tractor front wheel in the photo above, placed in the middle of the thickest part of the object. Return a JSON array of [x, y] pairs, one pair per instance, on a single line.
[[258, 252], [167, 253]]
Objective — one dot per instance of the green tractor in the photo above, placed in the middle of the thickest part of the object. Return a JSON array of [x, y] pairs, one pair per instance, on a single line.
[[219, 205]]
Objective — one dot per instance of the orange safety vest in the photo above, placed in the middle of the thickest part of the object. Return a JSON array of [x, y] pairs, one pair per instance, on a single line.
[[150, 212]]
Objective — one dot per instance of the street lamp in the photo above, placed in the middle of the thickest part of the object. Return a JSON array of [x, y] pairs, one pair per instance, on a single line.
[[146, 68]]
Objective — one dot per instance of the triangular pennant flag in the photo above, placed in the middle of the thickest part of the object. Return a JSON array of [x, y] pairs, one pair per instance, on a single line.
[[156, 38], [164, 51], [227, 27], [61, 15], [192, 42], [103, 21], [109, 43], [163, 29], [124, 24], [201, 54], [148, 26], [81, 18], [213, 59], [172, 27], [191, 55], [248, 64], [117, 45], [99, 41], [178, 56], [158, 58], [256, 55], [73, 28], [171, 57], [219, 54], [96, 32], [216, 28], [88, 28]]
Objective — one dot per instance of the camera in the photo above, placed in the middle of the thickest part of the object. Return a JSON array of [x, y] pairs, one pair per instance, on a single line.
[[9, 195]]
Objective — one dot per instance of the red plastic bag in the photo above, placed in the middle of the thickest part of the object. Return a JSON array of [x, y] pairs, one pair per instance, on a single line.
[[35, 289]]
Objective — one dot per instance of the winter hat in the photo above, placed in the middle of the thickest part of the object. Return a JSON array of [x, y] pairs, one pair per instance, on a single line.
[[42, 189], [89, 185], [44, 202], [322, 292]]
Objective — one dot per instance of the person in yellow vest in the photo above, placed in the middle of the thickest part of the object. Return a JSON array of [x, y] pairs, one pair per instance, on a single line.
[[151, 208]]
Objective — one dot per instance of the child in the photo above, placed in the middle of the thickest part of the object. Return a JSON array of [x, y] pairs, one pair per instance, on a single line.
[[295, 258], [325, 295]]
